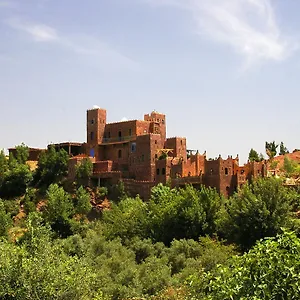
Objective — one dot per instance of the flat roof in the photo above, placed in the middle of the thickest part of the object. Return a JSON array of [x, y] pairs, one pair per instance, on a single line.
[[67, 144]]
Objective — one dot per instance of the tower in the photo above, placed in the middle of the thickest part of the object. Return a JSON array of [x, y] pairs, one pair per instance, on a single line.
[[158, 123], [96, 121]]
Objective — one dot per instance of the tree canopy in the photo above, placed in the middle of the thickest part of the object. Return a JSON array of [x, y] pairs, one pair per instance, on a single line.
[[52, 166]]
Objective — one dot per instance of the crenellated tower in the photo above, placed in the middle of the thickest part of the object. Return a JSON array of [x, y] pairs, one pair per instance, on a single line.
[[158, 123]]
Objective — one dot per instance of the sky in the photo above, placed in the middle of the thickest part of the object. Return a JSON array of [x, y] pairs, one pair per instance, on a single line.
[[225, 72]]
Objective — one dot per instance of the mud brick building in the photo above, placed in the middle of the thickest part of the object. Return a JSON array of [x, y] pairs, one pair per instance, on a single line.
[[138, 153]]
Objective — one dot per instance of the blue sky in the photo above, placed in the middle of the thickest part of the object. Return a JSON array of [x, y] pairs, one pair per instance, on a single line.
[[225, 72]]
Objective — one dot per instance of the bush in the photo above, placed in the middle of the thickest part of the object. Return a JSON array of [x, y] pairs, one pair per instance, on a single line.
[[269, 271], [259, 210]]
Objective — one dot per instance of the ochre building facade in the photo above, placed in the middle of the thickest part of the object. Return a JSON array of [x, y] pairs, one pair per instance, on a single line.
[[138, 153]]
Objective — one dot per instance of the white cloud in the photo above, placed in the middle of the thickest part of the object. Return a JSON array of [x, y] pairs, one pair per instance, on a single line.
[[83, 45], [38, 32], [250, 27]]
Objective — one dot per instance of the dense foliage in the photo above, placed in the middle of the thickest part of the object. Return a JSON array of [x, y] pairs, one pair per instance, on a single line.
[[183, 244]]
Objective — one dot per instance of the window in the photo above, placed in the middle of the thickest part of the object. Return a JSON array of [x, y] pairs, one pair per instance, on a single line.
[[163, 121], [155, 142], [120, 135], [93, 121], [133, 147], [243, 171], [155, 156], [181, 142], [157, 171], [92, 135], [120, 153], [109, 134], [163, 171], [130, 132], [226, 171], [92, 152], [143, 157]]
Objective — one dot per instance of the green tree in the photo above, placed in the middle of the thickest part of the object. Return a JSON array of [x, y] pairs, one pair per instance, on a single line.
[[259, 210], [271, 149], [84, 171], [253, 155], [290, 167], [52, 166], [3, 163], [269, 271], [82, 201], [36, 267], [127, 219], [16, 180], [283, 150], [183, 213], [22, 153], [58, 210], [5, 220]]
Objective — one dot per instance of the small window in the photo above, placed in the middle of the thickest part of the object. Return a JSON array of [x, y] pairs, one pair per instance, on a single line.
[[163, 171], [181, 142], [130, 132], [120, 153], [226, 171], [93, 121], [163, 121], [155, 142], [92, 135], [155, 156], [242, 171], [157, 171], [143, 157], [133, 147], [109, 134]]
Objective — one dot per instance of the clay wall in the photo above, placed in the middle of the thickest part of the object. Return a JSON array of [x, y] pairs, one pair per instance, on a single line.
[[141, 188], [228, 180], [163, 170], [142, 160], [117, 152], [142, 127], [178, 145], [242, 175], [176, 168], [194, 166], [103, 166], [120, 131], [257, 169], [212, 174], [158, 123]]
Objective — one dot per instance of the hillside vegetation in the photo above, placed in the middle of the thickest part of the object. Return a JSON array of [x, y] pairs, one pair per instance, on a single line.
[[61, 241]]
